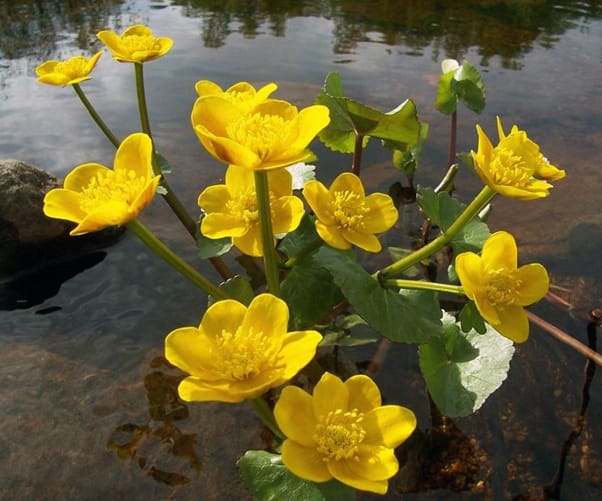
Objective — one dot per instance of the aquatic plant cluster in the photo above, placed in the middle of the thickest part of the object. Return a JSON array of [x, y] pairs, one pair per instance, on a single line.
[[331, 435]]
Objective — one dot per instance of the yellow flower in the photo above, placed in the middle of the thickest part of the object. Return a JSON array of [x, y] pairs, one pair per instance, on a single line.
[[231, 208], [96, 197], [500, 289], [69, 72], [271, 135], [241, 94], [239, 353], [342, 431], [346, 216], [515, 167], [136, 44]]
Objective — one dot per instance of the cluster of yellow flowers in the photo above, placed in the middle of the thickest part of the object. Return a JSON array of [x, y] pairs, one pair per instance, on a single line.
[[238, 352]]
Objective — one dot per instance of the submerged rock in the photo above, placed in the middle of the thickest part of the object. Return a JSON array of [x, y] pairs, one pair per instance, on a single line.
[[28, 238]]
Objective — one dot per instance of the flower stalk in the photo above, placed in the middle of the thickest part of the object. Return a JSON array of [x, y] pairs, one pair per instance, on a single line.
[[95, 116], [171, 258], [422, 285], [473, 209], [270, 257], [261, 408]]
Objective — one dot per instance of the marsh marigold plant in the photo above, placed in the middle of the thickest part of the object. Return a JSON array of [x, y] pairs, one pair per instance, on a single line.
[[346, 216], [342, 431], [96, 197], [136, 44], [271, 135], [72, 71], [238, 352], [499, 288], [515, 167], [231, 208]]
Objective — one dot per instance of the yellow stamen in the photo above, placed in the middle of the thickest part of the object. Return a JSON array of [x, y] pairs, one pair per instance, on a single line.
[[111, 186], [510, 169], [259, 132], [349, 209], [502, 287], [73, 68], [339, 434], [137, 43]]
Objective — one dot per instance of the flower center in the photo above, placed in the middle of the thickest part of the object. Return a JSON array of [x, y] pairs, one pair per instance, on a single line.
[[349, 209], [502, 287], [258, 132], [73, 68], [136, 43], [244, 354], [510, 169], [339, 434], [109, 185], [244, 206], [244, 100]]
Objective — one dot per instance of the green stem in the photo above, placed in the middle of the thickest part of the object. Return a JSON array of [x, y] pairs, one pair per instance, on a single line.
[[170, 257], [95, 116], [480, 201], [267, 416], [270, 257], [169, 195], [357, 154], [308, 249], [422, 285]]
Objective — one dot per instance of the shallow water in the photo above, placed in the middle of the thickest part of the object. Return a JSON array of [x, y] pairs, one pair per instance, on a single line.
[[88, 409]]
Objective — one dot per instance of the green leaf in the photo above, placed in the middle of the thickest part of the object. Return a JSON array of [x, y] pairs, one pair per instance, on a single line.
[[352, 330], [239, 288], [304, 237], [310, 293], [443, 210], [408, 317], [463, 83], [209, 247], [163, 163], [268, 479], [349, 118], [462, 369], [470, 318], [406, 159]]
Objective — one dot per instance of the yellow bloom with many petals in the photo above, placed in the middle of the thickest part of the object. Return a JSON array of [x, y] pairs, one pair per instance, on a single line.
[[515, 167], [238, 353], [69, 72], [136, 44], [346, 216], [342, 431], [271, 135], [499, 288], [96, 197], [241, 94], [231, 208]]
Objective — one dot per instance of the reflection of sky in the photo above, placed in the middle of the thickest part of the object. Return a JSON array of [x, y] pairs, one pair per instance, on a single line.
[[555, 95]]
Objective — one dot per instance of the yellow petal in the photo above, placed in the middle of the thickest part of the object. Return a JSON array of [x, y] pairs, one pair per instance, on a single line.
[[347, 182], [213, 114], [319, 199], [513, 324], [146, 196], [114, 44], [305, 462], [239, 179], [207, 88], [382, 213], [534, 283], [214, 198], [269, 315], [135, 154], [265, 91], [389, 425], [225, 315], [294, 414], [193, 389], [138, 30], [536, 189], [298, 349], [342, 471], [468, 268], [365, 241], [308, 123], [499, 251], [332, 236], [46, 67], [280, 182], [290, 158], [80, 177], [183, 348], [330, 394], [374, 463], [487, 310], [220, 225], [250, 243], [364, 394], [288, 212], [226, 150], [63, 204], [110, 213]]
